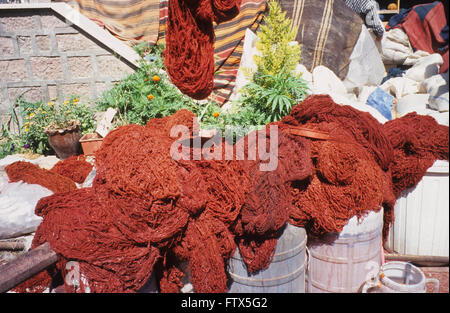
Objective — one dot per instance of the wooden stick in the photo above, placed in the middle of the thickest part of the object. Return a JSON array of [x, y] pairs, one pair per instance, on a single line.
[[12, 245], [26, 266]]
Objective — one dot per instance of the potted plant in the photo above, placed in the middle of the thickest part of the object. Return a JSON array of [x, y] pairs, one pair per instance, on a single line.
[[57, 127], [64, 138]]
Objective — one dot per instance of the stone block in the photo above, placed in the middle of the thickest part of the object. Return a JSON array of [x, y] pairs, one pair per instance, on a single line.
[[52, 92], [112, 67], [80, 67], [51, 21], [46, 68], [6, 46], [82, 90], [13, 70], [15, 23], [43, 43], [25, 46], [31, 94], [75, 42]]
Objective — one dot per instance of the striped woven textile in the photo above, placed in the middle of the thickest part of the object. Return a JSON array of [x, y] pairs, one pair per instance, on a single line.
[[132, 21], [327, 31], [228, 46], [135, 21]]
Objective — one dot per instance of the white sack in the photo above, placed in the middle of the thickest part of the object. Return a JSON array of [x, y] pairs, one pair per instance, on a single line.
[[440, 117], [247, 62], [412, 103], [326, 82], [401, 86], [17, 203], [437, 87], [366, 67], [425, 67]]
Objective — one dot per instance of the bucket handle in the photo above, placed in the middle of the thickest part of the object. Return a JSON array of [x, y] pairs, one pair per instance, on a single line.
[[373, 277], [435, 283]]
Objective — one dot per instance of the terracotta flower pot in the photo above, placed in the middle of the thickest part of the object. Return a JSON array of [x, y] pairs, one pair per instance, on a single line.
[[90, 143], [65, 141]]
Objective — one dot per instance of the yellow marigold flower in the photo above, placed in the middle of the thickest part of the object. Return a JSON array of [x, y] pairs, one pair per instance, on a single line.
[[216, 114], [150, 97], [31, 114], [66, 102], [156, 78], [27, 129], [76, 100], [49, 103]]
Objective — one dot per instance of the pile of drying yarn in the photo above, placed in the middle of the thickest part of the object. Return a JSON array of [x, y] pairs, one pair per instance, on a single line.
[[74, 167], [150, 213], [189, 53]]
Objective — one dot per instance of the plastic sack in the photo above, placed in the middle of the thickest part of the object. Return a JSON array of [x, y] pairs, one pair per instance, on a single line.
[[46, 162], [89, 179], [401, 86], [247, 64], [326, 82], [366, 67], [440, 117], [425, 67], [412, 103], [382, 101], [395, 49], [437, 87], [305, 74], [17, 203]]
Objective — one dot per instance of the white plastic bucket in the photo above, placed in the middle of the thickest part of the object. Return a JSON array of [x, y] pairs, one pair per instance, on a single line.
[[421, 225], [340, 263], [400, 277]]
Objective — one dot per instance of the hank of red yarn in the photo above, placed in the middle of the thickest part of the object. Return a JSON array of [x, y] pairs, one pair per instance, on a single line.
[[33, 174], [74, 167], [189, 54]]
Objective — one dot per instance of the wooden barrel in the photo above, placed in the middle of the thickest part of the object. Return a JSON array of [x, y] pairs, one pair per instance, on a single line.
[[341, 262], [286, 273]]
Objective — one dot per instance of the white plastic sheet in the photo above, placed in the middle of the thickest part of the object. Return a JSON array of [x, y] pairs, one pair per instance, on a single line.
[[247, 64], [425, 68], [17, 203], [18, 200], [366, 67], [437, 87], [412, 103]]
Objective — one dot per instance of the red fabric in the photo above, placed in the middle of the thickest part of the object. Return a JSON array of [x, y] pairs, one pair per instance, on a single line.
[[426, 35]]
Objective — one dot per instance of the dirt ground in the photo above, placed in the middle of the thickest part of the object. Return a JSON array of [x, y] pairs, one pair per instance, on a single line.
[[440, 273]]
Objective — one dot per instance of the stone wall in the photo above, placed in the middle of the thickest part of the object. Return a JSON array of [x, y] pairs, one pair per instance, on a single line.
[[46, 58]]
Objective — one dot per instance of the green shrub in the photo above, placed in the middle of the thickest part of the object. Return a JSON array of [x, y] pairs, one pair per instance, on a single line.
[[36, 116], [275, 88], [138, 97]]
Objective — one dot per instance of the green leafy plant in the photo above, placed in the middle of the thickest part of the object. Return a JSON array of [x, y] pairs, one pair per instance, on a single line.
[[274, 95], [277, 45], [35, 117], [275, 88], [146, 93]]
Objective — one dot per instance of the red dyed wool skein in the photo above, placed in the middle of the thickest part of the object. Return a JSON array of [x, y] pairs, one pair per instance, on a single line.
[[189, 55]]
